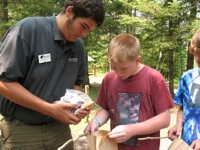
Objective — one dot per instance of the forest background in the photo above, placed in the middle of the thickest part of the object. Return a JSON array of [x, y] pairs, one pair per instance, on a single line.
[[164, 28]]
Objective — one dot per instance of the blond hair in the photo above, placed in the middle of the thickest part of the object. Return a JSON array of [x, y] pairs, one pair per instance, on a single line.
[[123, 48], [195, 43]]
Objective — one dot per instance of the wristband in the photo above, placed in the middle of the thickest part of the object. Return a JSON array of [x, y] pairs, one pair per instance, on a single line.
[[98, 122]]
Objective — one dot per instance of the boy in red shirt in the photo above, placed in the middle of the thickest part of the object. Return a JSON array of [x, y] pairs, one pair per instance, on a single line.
[[133, 96]]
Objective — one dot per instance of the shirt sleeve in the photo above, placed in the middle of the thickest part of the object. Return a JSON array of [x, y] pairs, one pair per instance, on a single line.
[[178, 98], [161, 97], [12, 49]]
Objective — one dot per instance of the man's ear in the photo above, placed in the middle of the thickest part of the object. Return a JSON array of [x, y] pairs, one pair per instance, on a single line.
[[69, 11]]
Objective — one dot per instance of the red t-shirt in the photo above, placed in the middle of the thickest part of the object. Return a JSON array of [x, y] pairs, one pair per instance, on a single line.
[[136, 99]]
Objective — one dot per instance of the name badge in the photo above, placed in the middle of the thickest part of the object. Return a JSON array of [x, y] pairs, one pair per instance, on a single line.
[[44, 58]]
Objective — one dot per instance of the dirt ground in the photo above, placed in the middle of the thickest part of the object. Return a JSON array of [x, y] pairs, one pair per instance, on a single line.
[[81, 144]]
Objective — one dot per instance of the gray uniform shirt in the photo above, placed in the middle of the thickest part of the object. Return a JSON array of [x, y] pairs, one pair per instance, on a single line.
[[33, 53]]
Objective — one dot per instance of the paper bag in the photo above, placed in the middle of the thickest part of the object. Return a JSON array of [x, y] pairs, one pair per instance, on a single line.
[[179, 144], [101, 141]]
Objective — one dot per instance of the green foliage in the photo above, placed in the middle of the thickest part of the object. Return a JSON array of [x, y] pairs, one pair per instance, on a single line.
[[19, 9], [161, 26], [195, 25]]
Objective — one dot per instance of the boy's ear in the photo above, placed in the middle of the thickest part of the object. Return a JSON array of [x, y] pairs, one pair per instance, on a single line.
[[138, 59]]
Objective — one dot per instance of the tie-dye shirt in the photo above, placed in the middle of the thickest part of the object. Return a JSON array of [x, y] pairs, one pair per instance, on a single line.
[[188, 96]]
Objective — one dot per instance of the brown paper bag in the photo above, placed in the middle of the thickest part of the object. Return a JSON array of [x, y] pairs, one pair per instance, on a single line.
[[101, 141], [179, 144]]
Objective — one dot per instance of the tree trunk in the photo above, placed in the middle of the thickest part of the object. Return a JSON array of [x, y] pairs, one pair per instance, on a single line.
[[4, 15], [171, 72], [171, 57], [193, 12], [190, 60]]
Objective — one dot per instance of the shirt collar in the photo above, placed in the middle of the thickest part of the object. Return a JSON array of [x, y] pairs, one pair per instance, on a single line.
[[56, 33]]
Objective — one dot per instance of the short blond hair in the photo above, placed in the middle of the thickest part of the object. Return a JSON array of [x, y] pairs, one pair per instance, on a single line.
[[123, 48], [195, 42]]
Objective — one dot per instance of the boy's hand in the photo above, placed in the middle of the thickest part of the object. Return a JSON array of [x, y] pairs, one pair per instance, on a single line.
[[92, 127], [121, 133], [195, 145], [174, 132]]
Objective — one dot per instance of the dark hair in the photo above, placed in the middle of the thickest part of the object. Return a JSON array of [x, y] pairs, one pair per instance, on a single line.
[[93, 9]]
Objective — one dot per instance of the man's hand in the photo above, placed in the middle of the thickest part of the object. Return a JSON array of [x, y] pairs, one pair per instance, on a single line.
[[62, 113]]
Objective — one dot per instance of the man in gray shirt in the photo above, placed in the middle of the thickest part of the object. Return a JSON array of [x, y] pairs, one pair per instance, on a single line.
[[41, 57]]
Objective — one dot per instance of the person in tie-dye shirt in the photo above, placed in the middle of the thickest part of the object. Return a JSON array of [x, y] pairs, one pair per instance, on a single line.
[[188, 98]]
